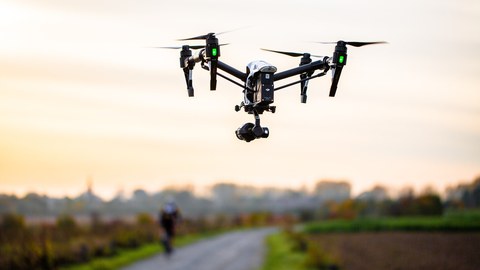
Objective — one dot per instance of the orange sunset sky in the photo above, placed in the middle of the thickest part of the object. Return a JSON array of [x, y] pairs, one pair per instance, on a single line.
[[82, 95]]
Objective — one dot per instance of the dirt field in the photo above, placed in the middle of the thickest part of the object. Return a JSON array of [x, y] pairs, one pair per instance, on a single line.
[[403, 250]]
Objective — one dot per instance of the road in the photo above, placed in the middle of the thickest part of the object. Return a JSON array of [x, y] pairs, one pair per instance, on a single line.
[[242, 250]]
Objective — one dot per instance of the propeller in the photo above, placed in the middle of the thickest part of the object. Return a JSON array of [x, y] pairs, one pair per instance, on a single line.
[[356, 43], [339, 59], [197, 37], [210, 34], [212, 52], [194, 47], [292, 54]]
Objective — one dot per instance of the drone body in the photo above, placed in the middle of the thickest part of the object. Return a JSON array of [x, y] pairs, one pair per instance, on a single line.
[[259, 79]]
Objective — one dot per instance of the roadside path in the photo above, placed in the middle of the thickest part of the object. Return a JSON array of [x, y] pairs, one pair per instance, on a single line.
[[242, 250]]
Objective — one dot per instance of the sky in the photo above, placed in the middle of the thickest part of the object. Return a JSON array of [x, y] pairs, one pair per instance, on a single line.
[[84, 96]]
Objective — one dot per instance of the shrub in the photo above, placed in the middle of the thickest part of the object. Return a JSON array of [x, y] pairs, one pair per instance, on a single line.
[[12, 223]]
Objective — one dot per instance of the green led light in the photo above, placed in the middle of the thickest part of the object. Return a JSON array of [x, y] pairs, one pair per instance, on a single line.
[[341, 59], [214, 52]]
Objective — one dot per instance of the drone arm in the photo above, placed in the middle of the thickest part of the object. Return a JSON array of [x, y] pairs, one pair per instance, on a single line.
[[230, 80], [302, 80], [232, 71], [200, 57], [320, 64], [197, 57]]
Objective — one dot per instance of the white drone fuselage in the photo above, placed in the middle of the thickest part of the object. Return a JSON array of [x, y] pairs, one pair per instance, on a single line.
[[259, 82]]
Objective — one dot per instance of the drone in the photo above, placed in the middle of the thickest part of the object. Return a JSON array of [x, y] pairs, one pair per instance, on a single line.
[[258, 80]]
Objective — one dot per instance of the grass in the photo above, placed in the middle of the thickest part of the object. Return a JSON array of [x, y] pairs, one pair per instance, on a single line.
[[280, 254], [283, 254], [451, 222], [126, 257], [466, 214], [123, 258]]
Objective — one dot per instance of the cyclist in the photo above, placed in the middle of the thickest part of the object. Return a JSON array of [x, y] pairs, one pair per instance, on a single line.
[[168, 219]]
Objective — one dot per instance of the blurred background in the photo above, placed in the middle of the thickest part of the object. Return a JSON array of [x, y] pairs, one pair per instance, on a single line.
[[82, 96], [97, 125]]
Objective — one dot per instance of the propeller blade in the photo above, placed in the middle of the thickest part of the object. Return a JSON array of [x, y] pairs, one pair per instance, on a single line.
[[356, 43], [193, 47], [323, 42], [216, 34], [233, 30], [195, 38], [293, 54], [360, 44]]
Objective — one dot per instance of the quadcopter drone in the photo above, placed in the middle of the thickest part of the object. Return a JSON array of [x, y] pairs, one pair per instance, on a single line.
[[260, 76]]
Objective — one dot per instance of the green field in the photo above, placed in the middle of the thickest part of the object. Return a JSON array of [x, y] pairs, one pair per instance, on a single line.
[[449, 223], [283, 251]]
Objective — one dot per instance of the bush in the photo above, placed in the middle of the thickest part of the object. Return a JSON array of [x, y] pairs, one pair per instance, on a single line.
[[12, 223], [317, 258], [66, 223]]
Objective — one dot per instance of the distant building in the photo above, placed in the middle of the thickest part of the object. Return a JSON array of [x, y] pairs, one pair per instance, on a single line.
[[377, 194], [224, 193], [466, 194], [327, 190], [90, 201]]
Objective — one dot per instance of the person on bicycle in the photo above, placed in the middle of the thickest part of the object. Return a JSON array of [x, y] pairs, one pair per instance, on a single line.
[[168, 219]]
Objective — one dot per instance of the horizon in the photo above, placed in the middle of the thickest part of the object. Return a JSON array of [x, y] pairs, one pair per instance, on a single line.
[[204, 191]]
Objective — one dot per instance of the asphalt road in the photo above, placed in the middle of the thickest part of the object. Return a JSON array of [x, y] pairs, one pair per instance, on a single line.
[[242, 250]]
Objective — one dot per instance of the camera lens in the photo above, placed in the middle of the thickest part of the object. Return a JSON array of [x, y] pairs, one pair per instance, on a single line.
[[245, 132], [266, 132]]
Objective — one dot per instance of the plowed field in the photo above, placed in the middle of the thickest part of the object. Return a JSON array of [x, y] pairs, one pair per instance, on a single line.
[[403, 250]]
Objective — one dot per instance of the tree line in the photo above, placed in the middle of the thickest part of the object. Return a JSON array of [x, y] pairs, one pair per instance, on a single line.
[[86, 227], [327, 198]]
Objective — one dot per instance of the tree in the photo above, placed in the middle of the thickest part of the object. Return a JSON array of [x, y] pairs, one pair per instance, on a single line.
[[12, 224], [66, 224]]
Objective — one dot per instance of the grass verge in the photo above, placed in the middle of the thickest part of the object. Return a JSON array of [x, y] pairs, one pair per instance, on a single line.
[[126, 257], [281, 255]]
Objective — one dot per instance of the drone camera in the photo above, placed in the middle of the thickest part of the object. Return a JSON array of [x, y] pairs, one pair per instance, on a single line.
[[249, 132], [245, 133], [265, 132]]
